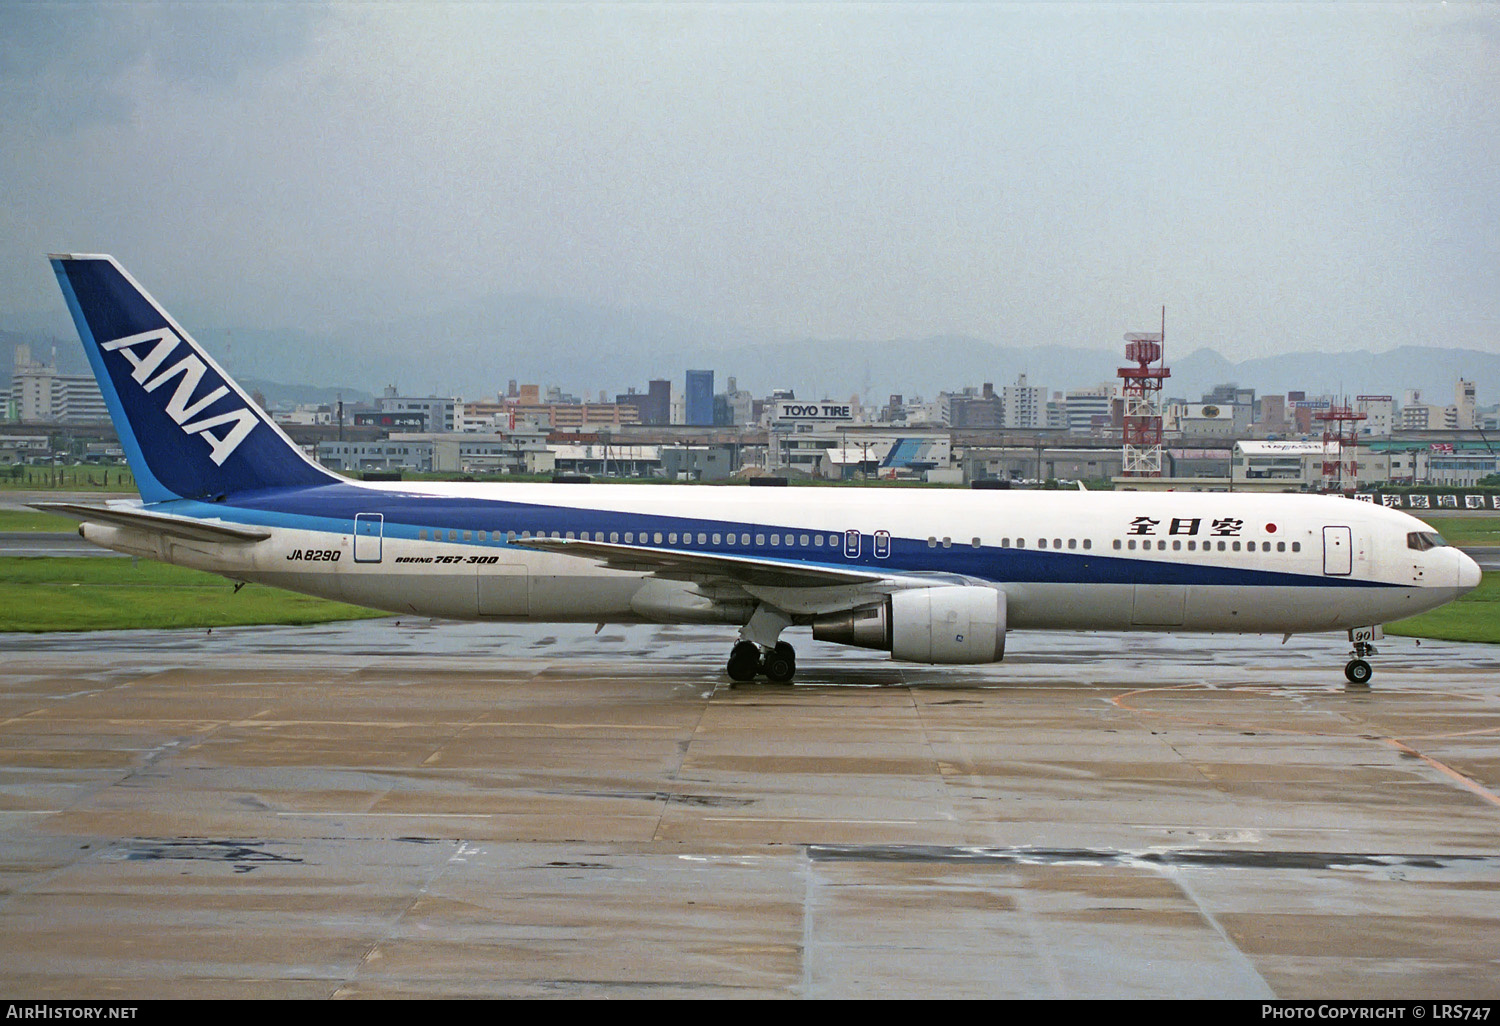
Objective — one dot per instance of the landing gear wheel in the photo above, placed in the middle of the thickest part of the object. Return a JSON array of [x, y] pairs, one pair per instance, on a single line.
[[783, 649], [780, 665], [744, 661], [1358, 671]]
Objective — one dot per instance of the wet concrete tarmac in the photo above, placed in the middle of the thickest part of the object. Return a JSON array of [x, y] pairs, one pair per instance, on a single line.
[[401, 808]]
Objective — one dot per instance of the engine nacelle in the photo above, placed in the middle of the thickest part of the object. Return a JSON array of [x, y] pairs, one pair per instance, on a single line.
[[950, 624]]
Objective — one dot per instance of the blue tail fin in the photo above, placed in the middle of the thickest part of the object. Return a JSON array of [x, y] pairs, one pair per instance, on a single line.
[[188, 430]]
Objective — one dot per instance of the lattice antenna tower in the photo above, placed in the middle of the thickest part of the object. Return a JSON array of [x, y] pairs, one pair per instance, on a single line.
[[1141, 386], [1340, 433]]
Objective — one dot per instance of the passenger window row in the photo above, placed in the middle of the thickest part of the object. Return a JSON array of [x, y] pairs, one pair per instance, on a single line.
[[1020, 543], [833, 541], [1208, 546]]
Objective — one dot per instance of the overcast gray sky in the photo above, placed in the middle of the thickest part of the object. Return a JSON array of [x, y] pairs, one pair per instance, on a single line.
[[1280, 176]]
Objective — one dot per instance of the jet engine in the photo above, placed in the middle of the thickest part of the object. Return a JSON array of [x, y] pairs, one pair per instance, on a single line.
[[949, 624]]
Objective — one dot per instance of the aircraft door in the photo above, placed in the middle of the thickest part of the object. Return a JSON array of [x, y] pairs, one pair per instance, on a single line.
[[882, 544], [505, 590], [1158, 605], [851, 544], [1338, 551], [368, 531]]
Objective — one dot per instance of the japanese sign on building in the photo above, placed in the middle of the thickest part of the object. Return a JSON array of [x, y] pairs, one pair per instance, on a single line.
[[1441, 500]]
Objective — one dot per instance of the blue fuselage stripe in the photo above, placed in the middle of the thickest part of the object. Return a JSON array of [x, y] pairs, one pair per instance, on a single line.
[[332, 509]]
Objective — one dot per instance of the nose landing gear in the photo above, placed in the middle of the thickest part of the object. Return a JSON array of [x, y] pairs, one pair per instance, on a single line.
[[1358, 670]]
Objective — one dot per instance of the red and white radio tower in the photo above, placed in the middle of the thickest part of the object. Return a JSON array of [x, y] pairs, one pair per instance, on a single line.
[[1338, 436], [1141, 386]]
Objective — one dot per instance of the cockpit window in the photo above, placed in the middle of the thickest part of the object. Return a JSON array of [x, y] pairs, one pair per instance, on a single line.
[[1424, 540]]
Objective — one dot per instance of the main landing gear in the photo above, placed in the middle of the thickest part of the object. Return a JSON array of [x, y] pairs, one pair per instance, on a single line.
[[747, 661], [759, 652]]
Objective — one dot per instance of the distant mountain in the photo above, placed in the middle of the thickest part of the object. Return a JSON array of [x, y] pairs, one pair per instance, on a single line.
[[475, 349], [278, 394], [1432, 370], [586, 348], [70, 358], [819, 368]]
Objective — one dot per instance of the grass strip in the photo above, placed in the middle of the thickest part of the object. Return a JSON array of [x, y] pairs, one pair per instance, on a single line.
[[91, 594], [1474, 617], [34, 520], [1467, 530]]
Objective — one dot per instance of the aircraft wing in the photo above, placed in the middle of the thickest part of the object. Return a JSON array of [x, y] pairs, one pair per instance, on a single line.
[[155, 523], [687, 565]]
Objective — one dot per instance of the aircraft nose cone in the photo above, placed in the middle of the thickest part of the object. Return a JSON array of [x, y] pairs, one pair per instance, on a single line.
[[1468, 572]]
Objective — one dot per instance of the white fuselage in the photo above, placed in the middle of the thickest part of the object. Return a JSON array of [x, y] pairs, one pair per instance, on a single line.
[[1066, 560]]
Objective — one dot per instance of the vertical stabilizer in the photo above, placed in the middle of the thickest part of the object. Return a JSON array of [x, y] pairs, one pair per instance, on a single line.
[[187, 429]]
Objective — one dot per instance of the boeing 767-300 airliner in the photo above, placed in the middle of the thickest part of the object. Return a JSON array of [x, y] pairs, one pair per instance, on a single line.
[[929, 575]]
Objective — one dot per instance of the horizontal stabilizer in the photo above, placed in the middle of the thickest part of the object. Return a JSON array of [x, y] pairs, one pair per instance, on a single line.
[[155, 523]]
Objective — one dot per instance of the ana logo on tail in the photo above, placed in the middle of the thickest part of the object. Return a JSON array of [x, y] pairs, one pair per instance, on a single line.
[[182, 407]]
